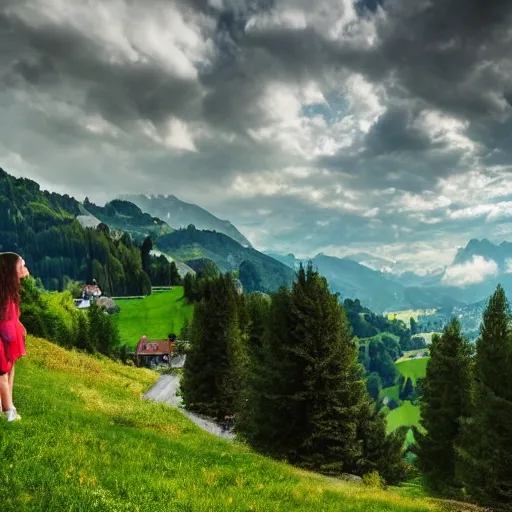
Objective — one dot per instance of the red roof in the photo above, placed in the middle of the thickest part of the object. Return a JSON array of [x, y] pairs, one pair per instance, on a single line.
[[154, 348]]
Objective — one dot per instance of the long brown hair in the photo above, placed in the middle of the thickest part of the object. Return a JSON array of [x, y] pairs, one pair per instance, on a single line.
[[9, 280]]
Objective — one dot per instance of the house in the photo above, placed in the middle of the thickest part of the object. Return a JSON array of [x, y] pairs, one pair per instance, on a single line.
[[91, 291], [152, 353]]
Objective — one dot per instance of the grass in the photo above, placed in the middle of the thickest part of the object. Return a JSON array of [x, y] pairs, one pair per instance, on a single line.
[[405, 415], [413, 368], [88, 442], [155, 316], [392, 392], [406, 315]]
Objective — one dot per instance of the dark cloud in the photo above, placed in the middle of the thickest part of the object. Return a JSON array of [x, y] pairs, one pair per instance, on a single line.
[[63, 77]]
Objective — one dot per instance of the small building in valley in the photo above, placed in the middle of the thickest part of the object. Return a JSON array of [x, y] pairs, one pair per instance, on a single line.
[[154, 353]]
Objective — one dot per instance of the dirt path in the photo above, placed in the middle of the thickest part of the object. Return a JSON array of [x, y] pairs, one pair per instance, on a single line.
[[165, 391]]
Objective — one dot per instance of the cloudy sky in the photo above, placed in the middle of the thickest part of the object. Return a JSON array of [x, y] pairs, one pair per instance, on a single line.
[[335, 125]]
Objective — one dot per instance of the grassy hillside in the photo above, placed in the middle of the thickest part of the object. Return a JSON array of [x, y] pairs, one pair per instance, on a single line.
[[87, 442], [155, 316], [190, 244], [407, 414], [413, 368]]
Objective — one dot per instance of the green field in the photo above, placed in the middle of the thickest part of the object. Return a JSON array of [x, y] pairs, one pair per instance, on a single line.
[[406, 315], [88, 442], [392, 392], [155, 316], [405, 415], [413, 368]]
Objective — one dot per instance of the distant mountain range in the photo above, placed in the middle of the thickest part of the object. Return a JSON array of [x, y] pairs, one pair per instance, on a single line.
[[375, 289], [34, 218], [193, 244], [471, 278], [179, 214]]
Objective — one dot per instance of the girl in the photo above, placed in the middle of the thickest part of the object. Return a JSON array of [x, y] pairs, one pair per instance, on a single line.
[[12, 332]]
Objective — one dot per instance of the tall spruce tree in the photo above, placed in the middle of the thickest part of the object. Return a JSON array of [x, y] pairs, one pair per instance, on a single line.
[[310, 401], [445, 403], [485, 453], [212, 374]]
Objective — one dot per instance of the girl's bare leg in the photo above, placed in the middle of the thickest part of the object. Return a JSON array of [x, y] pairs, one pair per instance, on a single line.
[[5, 393], [11, 382]]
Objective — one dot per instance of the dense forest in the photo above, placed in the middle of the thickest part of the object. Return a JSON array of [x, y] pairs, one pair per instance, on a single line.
[[42, 227], [294, 358], [258, 272]]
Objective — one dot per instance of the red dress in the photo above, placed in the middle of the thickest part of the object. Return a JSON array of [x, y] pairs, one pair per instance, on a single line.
[[12, 337]]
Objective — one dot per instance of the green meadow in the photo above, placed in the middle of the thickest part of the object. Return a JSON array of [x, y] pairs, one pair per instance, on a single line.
[[156, 316], [407, 414], [88, 442], [413, 368]]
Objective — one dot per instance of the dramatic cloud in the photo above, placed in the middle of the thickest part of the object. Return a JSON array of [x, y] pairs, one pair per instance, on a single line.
[[471, 272], [337, 125]]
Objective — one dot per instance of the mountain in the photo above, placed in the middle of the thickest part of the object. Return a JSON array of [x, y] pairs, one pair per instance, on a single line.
[[179, 214], [192, 244], [43, 227], [125, 216], [501, 254], [371, 261], [286, 259], [375, 289]]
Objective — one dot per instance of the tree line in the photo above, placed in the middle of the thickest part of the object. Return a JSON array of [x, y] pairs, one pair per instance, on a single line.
[[464, 444], [42, 226], [286, 367], [53, 316]]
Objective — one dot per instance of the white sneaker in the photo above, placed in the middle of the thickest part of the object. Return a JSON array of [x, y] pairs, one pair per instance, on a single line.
[[12, 415]]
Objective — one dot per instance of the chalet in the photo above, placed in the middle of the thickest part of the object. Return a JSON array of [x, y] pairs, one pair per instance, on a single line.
[[152, 353], [91, 291]]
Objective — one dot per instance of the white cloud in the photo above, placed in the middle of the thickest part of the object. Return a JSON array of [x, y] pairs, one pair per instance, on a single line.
[[471, 272], [494, 211]]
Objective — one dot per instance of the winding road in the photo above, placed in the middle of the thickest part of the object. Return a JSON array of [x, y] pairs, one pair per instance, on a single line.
[[164, 391]]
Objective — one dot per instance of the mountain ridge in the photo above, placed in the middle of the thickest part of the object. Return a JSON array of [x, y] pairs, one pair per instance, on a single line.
[[179, 214]]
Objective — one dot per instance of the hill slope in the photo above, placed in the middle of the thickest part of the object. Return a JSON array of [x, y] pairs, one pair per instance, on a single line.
[[88, 442], [155, 316], [126, 216], [190, 244], [179, 214]]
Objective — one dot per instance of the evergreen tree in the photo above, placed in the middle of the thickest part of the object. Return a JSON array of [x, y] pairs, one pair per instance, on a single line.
[[82, 336], [268, 421], [212, 374], [446, 401], [175, 278], [310, 400], [485, 454], [408, 390], [374, 386]]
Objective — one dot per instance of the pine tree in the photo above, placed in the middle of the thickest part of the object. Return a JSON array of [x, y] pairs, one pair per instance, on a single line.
[[374, 385], [175, 278], [485, 453], [268, 422], [408, 389], [212, 374], [309, 399], [445, 402]]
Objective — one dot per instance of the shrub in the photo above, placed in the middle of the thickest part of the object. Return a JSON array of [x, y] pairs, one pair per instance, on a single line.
[[373, 479]]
